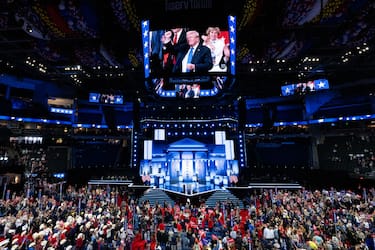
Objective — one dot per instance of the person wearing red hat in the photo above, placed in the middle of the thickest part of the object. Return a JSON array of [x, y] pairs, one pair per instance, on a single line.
[[161, 226]]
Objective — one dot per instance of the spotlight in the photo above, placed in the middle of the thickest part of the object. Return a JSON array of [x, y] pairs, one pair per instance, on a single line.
[[29, 29]]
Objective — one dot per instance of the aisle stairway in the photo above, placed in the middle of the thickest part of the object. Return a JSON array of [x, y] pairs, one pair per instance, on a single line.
[[156, 196], [222, 196]]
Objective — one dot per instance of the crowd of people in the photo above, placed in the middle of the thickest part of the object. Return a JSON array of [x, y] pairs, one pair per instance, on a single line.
[[119, 11], [51, 216], [297, 10], [74, 18], [90, 57], [358, 31], [47, 51], [354, 33], [111, 218]]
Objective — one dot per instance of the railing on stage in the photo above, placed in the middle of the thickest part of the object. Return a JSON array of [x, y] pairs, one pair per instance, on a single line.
[[270, 185], [110, 182], [189, 192]]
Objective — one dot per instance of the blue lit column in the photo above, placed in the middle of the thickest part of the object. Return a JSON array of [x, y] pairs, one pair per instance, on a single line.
[[7, 93]]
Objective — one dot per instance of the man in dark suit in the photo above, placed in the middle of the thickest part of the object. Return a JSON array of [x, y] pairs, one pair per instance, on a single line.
[[195, 58], [189, 91]]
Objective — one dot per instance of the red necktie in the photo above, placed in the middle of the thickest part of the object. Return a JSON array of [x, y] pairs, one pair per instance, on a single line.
[[174, 42]]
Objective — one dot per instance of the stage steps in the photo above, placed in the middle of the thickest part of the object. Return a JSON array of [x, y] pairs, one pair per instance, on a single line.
[[156, 196], [222, 196]]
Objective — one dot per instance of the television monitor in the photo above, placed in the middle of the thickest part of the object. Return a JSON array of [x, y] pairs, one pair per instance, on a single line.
[[287, 90], [94, 97], [106, 98], [304, 87], [118, 99], [181, 57]]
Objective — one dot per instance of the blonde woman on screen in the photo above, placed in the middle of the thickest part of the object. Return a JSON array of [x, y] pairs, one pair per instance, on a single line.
[[219, 49]]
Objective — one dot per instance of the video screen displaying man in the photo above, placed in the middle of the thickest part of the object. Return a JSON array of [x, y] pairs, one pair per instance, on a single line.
[[178, 56], [195, 58], [184, 91]]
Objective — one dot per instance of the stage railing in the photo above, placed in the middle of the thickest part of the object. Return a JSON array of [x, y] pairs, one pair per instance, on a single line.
[[110, 182]]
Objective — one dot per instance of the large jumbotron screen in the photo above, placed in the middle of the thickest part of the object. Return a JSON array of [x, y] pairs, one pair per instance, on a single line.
[[189, 62], [189, 162]]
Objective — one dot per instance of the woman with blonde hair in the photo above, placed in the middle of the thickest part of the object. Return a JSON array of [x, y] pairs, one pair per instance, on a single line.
[[219, 49]]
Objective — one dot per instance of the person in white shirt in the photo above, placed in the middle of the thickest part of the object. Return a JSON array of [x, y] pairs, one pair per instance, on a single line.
[[219, 49], [268, 233]]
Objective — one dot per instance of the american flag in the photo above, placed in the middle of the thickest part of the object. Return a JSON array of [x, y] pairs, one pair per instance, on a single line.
[[146, 46], [232, 44]]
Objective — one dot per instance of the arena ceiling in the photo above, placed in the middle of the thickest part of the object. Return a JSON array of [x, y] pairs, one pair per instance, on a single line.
[[96, 44]]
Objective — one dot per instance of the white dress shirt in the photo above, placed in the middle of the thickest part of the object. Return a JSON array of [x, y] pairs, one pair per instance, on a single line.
[[184, 61]]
